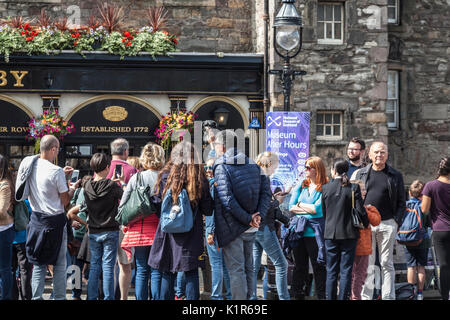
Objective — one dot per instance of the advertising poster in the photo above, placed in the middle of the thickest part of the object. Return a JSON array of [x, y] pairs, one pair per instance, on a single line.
[[288, 136]]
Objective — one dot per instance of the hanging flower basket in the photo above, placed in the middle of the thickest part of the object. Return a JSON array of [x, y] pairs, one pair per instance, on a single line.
[[48, 123], [173, 127]]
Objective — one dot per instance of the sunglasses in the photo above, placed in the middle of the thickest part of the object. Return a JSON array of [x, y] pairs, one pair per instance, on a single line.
[[208, 168], [308, 168]]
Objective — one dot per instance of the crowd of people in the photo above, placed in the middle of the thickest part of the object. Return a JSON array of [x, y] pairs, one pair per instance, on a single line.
[[231, 214]]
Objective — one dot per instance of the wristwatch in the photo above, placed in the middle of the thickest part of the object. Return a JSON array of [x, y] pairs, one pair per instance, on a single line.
[[123, 184]]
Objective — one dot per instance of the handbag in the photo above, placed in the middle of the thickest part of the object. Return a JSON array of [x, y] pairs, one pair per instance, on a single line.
[[138, 205], [176, 218], [21, 216], [356, 218]]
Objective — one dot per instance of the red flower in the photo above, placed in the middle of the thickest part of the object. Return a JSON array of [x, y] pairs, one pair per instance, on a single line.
[[30, 39], [22, 33], [128, 44], [124, 39], [126, 34], [165, 32], [75, 43]]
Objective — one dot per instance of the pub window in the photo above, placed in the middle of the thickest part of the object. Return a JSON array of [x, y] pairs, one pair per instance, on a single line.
[[330, 22], [329, 125], [393, 11], [392, 105]]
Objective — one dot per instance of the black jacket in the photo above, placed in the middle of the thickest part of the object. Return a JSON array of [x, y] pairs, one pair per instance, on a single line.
[[101, 200], [44, 237], [397, 195], [241, 189], [337, 207]]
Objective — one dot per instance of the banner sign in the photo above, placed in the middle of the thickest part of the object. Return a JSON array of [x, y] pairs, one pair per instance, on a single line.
[[288, 136]]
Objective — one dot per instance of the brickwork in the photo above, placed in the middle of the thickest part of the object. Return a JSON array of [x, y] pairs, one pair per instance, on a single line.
[[202, 25]]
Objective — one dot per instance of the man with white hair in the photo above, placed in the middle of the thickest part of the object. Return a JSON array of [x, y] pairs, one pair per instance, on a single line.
[[386, 191]]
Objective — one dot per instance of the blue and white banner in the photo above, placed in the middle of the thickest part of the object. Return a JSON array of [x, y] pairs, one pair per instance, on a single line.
[[288, 136]]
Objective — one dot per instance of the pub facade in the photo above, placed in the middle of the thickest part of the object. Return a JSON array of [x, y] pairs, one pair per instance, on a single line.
[[106, 98]]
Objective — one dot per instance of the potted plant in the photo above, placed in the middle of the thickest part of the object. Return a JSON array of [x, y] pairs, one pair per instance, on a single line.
[[173, 127], [50, 122]]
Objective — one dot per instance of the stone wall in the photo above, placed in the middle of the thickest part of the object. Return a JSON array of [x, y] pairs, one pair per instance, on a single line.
[[202, 25], [424, 135], [350, 77]]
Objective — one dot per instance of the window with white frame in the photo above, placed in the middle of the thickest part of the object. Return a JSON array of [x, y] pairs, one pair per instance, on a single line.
[[392, 105], [393, 11], [329, 125], [330, 22]]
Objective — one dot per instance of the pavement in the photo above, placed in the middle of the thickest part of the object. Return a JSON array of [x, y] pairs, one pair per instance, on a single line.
[[427, 294], [131, 294]]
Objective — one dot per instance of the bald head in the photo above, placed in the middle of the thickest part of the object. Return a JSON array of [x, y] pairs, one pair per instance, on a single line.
[[378, 154], [48, 142]]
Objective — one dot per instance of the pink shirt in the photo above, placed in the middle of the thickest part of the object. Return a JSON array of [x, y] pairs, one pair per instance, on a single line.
[[127, 169]]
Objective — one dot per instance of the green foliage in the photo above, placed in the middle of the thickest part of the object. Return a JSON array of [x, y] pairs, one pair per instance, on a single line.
[[49, 40]]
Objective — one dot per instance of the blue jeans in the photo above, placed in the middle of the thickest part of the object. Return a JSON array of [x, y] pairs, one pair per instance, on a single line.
[[238, 256], [143, 273], [59, 275], [192, 285], [268, 241], [180, 285], [103, 248], [6, 276], [340, 258], [75, 264], [219, 272]]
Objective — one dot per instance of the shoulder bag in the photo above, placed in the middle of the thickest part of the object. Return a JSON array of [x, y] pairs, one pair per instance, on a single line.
[[138, 205], [356, 218]]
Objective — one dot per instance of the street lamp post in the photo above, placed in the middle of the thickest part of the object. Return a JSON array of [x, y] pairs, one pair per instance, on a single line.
[[287, 35]]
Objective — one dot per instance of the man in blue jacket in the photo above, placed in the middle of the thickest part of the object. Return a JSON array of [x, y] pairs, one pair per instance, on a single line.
[[242, 198]]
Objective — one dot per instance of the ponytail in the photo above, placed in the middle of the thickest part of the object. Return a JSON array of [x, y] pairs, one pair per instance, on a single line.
[[345, 179]]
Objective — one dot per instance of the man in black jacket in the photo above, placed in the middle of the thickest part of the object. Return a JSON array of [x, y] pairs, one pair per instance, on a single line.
[[385, 190], [242, 197]]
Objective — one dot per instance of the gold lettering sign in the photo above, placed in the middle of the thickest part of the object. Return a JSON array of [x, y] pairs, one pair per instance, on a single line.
[[115, 113]]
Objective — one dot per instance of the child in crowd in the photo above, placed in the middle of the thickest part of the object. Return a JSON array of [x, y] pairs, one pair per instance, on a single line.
[[416, 256]]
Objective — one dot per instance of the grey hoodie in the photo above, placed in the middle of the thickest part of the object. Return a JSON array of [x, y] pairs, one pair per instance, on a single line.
[[25, 169]]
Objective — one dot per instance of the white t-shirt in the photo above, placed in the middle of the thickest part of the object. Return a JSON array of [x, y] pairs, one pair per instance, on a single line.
[[46, 182]]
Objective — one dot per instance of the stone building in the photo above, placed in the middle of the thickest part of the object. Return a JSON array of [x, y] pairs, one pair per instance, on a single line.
[[377, 69]]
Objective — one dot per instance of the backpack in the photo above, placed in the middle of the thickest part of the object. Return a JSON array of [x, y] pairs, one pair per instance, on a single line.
[[412, 230], [177, 218], [138, 205], [404, 291], [20, 214]]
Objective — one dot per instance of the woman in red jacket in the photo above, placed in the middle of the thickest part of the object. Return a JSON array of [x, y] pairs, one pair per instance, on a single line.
[[139, 236]]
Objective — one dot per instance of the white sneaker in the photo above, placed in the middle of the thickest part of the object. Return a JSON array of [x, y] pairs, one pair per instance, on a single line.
[[420, 297]]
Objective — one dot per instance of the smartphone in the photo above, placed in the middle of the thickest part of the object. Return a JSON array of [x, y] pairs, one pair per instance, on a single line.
[[74, 177], [118, 170]]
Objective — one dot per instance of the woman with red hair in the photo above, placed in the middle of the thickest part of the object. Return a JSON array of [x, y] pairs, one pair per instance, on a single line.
[[306, 200]]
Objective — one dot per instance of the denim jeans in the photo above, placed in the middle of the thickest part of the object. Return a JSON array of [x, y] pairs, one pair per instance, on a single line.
[[168, 284], [103, 247], [340, 258], [59, 275], [6, 276], [268, 241], [180, 284], [143, 273], [75, 264], [238, 256], [219, 272]]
